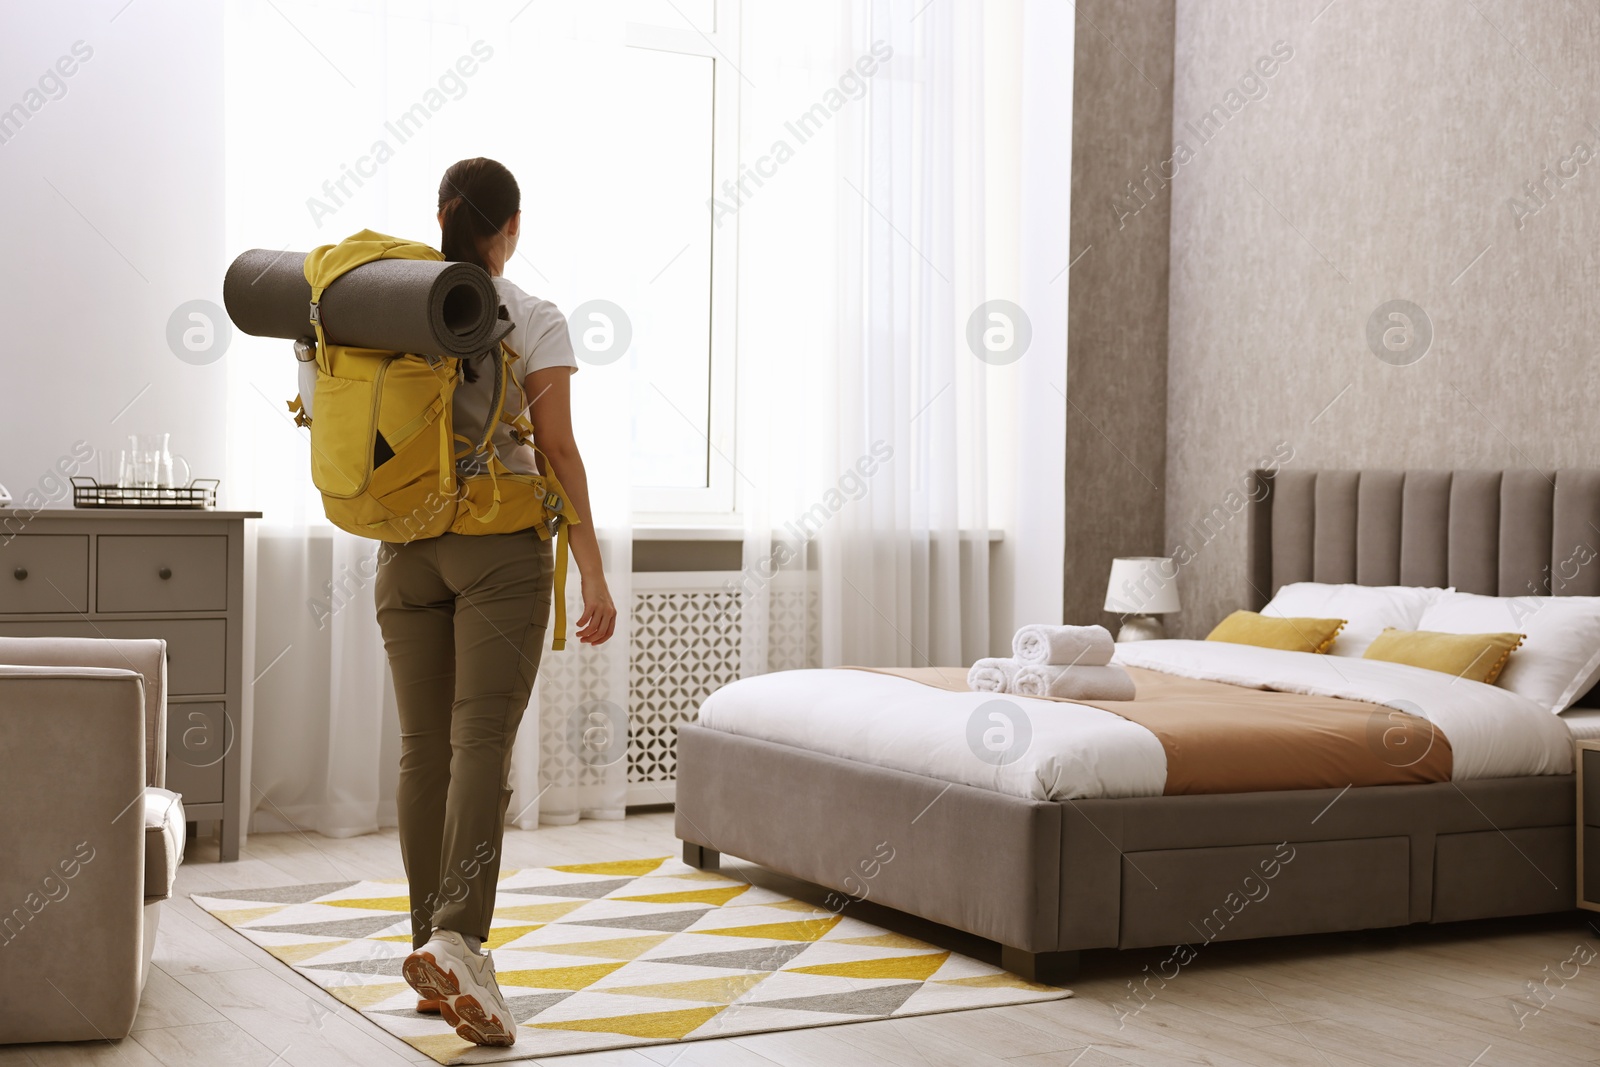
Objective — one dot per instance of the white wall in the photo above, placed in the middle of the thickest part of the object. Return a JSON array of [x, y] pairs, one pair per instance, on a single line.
[[131, 229]]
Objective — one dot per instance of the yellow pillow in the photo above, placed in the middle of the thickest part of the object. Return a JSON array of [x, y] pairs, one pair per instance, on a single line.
[[1475, 657], [1291, 635]]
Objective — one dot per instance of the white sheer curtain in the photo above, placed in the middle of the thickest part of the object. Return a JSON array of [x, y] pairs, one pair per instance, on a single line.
[[864, 412], [325, 742], [326, 739], [576, 765]]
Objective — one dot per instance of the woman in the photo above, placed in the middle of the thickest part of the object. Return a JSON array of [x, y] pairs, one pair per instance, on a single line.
[[463, 620]]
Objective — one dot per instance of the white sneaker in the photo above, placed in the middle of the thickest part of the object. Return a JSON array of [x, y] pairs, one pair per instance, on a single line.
[[462, 982]]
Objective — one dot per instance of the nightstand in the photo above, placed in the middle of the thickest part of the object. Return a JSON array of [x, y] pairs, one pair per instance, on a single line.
[[1589, 825]]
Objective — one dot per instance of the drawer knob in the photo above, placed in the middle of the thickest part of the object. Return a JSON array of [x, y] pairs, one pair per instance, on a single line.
[[164, 573], [20, 574]]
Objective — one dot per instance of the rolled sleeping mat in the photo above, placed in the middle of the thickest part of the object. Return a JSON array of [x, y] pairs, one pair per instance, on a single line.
[[427, 307]]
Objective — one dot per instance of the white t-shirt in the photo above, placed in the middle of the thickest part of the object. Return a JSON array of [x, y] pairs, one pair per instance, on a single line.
[[539, 338]]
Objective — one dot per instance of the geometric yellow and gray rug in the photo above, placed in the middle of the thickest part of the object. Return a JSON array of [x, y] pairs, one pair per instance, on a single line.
[[598, 956]]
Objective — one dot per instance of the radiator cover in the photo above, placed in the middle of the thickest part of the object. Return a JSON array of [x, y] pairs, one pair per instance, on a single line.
[[687, 643]]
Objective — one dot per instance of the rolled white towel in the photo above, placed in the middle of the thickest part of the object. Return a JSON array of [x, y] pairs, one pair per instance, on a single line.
[[1073, 683], [992, 675], [1063, 646]]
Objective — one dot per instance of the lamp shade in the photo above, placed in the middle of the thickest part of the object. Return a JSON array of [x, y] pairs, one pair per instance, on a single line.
[[1142, 585]]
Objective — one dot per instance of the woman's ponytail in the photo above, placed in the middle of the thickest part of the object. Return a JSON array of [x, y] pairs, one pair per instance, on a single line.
[[458, 237], [477, 197]]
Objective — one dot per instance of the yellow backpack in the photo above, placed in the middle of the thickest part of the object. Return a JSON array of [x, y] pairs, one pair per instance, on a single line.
[[383, 443]]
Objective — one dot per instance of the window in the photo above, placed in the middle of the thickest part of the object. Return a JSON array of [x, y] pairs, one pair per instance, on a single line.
[[619, 120], [683, 385]]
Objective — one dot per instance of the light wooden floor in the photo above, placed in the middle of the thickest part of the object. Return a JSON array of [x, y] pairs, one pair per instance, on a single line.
[[1437, 996]]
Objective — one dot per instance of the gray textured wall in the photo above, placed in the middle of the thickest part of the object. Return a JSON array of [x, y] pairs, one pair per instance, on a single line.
[[1117, 302], [1380, 164]]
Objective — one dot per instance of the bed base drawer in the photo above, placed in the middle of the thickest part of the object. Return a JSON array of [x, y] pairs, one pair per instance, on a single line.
[[1504, 872], [1246, 891]]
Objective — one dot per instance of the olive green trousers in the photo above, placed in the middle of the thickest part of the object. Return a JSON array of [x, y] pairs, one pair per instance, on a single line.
[[463, 621]]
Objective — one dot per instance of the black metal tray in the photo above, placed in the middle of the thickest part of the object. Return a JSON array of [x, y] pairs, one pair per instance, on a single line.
[[199, 495]]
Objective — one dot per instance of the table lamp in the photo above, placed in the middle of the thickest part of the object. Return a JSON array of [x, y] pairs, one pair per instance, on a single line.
[[1142, 589]]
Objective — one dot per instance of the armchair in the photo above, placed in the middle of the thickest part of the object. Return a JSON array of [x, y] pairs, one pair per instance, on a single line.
[[92, 840]]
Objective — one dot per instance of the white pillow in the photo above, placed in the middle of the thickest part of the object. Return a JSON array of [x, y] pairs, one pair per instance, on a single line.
[[1368, 609], [1560, 659]]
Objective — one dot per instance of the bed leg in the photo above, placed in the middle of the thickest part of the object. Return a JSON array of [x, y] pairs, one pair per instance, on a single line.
[[700, 857], [1044, 967]]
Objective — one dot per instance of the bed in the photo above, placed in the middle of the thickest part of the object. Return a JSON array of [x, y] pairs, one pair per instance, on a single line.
[[1048, 872]]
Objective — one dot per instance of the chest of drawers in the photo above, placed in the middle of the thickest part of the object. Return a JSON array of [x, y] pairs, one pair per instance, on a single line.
[[176, 575]]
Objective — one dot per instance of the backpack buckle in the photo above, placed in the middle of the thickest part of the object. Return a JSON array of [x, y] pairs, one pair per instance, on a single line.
[[552, 502], [316, 312]]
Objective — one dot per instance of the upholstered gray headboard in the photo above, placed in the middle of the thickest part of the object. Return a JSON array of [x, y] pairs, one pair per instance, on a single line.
[[1499, 533]]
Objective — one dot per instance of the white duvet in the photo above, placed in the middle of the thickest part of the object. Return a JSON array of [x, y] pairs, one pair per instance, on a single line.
[[1049, 750]]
